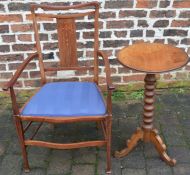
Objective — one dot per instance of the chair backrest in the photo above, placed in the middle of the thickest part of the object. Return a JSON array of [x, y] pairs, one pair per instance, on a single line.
[[66, 34]]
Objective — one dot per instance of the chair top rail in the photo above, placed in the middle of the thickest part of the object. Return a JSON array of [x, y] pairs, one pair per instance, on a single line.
[[49, 7], [64, 16]]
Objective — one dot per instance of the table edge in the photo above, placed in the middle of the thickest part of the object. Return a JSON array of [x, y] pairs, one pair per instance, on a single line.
[[156, 72]]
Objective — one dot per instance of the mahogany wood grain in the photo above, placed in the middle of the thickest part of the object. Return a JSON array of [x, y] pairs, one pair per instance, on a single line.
[[65, 145], [149, 93], [150, 58], [71, 16], [77, 6], [107, 69], [131, 143], [62, 119], [153, 57], [38, 47], [67, 42], [147, 136], [96, 43], [21, 137], [147, 133]]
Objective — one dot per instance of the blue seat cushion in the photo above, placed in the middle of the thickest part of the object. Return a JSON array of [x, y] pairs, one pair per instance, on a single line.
[[66, 99]]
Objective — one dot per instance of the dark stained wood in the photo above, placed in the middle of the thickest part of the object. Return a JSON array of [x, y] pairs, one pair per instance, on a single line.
[[68, 61], [67, 42], [150, 58], [153, 57]]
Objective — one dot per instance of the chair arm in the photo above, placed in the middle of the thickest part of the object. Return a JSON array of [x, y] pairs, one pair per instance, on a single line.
[[107, 69], [18, 72]]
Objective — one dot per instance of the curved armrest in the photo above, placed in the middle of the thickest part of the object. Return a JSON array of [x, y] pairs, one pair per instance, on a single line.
[[107, 68], [19, 71]]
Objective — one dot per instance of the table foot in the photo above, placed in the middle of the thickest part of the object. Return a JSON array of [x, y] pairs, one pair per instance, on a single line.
[[131, 143], [147, 136], [161, 148]]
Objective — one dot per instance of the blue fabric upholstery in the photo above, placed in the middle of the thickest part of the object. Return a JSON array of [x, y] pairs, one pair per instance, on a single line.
[[66, 99]]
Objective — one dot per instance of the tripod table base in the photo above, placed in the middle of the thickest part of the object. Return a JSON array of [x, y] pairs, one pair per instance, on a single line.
[[147, 136]]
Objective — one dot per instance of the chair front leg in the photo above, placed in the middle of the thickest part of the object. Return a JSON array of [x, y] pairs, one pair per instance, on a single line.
[[108, 138], [19, 129], [20, 132]]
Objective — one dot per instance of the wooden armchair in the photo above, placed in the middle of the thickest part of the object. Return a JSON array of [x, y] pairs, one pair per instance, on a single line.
[[65, 102]]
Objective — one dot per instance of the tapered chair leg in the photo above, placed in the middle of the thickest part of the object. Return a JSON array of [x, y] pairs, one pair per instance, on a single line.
[[109, 126], [20, 133]]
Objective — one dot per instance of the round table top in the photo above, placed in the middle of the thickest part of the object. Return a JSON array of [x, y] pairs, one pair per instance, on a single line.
[[152, 57]]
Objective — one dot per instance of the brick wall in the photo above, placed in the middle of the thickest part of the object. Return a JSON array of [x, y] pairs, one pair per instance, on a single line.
[[121, 23]]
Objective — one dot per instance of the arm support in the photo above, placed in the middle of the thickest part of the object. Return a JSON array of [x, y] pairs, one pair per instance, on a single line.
[[19, 71], [107, 69]]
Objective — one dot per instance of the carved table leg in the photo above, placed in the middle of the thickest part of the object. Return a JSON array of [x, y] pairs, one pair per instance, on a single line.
[[161, 148], [131, 143], [147, 133]]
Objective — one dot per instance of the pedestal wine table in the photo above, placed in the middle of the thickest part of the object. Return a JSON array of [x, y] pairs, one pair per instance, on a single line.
[[151, 58]]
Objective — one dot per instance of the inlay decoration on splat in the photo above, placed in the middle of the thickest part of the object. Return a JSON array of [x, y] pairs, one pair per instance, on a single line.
[[66, 29]]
